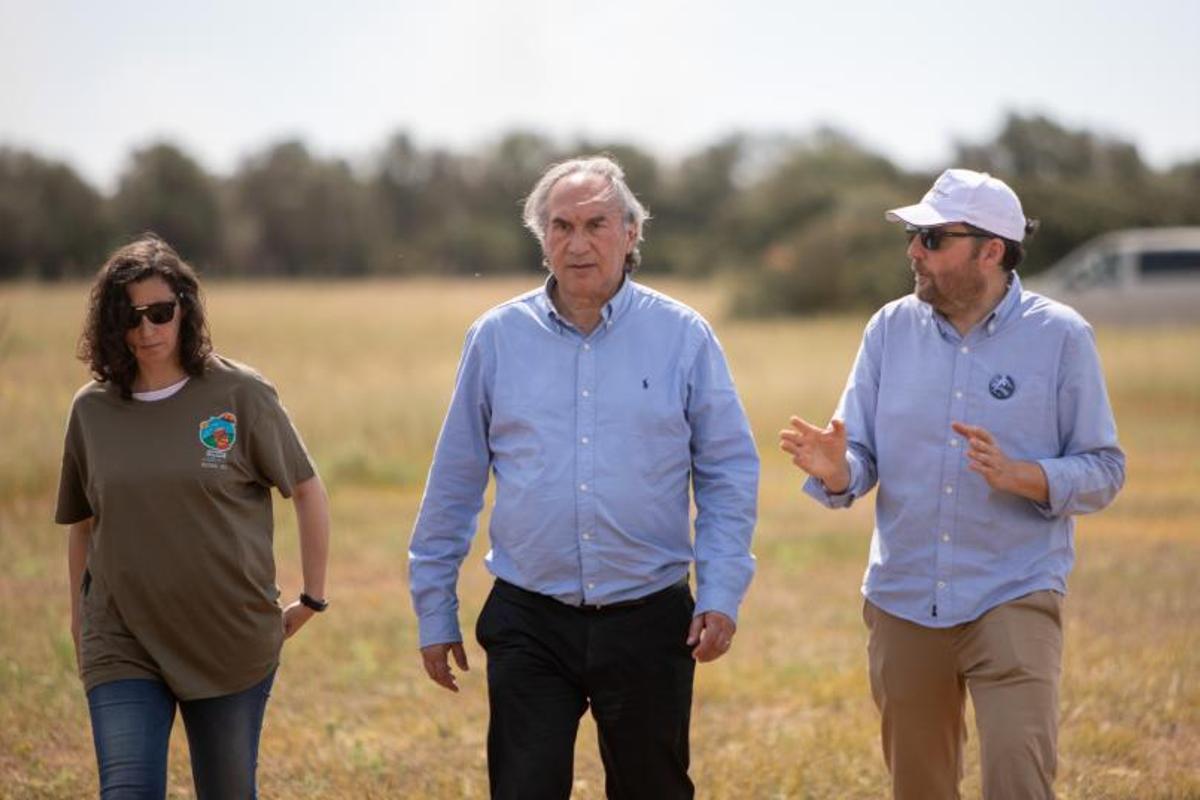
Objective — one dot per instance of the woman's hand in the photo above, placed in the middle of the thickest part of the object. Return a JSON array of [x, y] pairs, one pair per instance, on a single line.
[[294, 617]]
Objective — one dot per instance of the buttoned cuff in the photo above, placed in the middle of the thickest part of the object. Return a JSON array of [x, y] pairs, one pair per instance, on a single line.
[[712, 599], [439, 629]]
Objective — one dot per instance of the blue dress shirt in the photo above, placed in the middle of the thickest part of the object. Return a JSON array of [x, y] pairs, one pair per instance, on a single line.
[[593, 440], [946, 547]]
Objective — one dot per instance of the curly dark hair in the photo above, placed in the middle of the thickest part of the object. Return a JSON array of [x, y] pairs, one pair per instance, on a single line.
[[102, 345]]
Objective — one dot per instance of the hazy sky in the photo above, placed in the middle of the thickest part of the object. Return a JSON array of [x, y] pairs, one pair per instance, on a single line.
[[87, 81]]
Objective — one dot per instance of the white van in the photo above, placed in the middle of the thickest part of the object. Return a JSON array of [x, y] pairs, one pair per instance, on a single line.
[[1141, 275]]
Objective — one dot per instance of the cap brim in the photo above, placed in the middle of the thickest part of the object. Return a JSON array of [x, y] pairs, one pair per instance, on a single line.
[[920, 215]]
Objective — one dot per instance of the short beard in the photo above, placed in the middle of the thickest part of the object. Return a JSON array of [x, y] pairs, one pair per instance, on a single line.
[[960, 292]]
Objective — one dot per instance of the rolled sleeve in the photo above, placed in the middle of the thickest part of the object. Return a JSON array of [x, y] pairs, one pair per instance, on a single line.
[[1084, 483], [1090, 469], [856, 409]]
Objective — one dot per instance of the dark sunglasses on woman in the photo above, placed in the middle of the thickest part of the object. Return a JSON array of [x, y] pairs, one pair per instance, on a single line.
[[158, 313]]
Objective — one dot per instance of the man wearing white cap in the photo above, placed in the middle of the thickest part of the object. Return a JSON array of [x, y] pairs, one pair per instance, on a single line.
[[981, 411]]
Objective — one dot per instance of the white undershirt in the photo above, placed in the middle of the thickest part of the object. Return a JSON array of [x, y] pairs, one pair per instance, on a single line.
[[160, 394]]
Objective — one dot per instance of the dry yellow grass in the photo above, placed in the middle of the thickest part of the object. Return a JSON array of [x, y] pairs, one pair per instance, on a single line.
[[365, 370]]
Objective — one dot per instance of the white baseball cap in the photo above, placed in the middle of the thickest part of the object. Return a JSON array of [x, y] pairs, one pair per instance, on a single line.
[[963, 195]]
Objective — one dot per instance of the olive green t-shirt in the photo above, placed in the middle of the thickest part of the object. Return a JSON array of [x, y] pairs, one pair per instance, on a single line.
[[180, 581]]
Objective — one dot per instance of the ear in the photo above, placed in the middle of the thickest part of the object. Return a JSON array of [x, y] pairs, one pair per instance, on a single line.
[[630, 237], [993, 252]]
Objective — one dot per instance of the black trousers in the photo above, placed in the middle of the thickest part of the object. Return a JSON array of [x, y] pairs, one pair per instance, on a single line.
[[547, 662]]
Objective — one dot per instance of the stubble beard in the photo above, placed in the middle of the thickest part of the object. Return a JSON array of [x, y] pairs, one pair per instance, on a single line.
[[952, 293]]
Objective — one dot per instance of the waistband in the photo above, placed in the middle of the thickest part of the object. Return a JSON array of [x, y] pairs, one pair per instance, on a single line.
[[512, 588]]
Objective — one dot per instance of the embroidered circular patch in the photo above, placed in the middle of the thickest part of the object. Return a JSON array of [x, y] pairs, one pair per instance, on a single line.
[[219, 432], [1002, 386]]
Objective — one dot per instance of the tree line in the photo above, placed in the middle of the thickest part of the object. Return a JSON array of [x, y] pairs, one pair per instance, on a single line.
[[796, 221]]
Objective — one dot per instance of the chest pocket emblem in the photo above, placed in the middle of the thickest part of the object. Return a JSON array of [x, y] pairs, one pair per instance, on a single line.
[[219, 433], [1002, 387]]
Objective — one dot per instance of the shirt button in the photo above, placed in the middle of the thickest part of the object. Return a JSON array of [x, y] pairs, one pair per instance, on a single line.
[[584, 440], [587, 536], [957, 395], [585, 393], [583, 487], [587, 346], [941, 584], [965, 349], [949, 490], [954, 442], [945, 537], [591, 586]]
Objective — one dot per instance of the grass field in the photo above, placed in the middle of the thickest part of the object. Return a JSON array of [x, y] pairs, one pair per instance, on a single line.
[[365, 370]]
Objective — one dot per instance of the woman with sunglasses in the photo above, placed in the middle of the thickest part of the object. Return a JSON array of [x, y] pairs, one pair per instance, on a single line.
[[170, 456]]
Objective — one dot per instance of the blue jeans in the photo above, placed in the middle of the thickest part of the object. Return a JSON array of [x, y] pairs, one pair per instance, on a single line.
[[131, 726]]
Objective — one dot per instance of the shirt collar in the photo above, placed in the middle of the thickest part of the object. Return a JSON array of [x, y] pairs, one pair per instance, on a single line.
[[1004, 311], [993, 322], [616, 305]]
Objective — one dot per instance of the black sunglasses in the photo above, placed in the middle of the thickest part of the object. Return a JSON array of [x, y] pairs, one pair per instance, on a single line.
[[158, 313], [931, 238]]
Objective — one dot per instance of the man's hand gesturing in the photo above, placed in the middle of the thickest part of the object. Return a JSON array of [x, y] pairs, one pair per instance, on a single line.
[[821, 452]]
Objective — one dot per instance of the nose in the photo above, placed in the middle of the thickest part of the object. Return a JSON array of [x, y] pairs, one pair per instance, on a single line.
[[915, 248], [145, 326], [577, 243]]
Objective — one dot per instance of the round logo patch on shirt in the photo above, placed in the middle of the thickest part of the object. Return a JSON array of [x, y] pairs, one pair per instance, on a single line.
[[1002, 386], [219, 433]]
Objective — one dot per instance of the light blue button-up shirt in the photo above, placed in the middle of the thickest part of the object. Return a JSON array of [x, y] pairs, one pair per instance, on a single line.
[[946, 547], [594, 441]]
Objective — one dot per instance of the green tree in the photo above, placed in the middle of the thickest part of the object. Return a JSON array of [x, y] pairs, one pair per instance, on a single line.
[[692, 215], [803, 183], [1078, 183], [300, 215], [52, 223], [1035, 147], [810, 233], [166, 191], [397, 190]]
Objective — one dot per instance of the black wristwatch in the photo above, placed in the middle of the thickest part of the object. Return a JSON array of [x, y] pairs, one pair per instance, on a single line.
[[313, 603]]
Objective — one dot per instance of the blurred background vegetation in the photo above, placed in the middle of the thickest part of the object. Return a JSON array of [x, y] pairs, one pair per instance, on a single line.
[[797, 222]]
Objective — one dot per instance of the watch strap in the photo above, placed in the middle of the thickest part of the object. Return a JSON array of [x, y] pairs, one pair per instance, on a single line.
[[313, 603]]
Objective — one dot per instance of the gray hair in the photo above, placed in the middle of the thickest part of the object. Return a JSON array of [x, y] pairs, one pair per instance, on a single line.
[[537, 211]]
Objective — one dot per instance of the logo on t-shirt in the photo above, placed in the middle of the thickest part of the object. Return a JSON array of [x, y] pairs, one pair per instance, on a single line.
[[218, 434]]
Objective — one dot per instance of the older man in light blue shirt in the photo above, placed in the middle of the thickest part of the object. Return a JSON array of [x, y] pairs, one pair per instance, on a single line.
[[980, 410], [597, 404]]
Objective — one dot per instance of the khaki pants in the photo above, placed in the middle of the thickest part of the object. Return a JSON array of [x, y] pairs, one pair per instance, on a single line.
[[1011, 661]]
